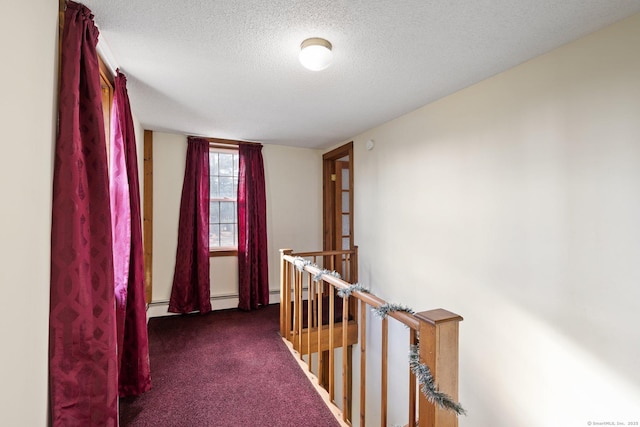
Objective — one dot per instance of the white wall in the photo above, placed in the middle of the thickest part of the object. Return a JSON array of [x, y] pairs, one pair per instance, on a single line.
[[28, 42], [293, 186], [516, 204]]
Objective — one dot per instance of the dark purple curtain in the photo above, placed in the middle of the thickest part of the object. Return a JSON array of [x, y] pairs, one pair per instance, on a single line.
[[82, 327], [191, 288], [133, 351], [252, 229]]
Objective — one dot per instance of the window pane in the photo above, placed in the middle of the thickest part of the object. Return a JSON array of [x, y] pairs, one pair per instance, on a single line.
[[346, 243], [214, 191], [214, 235], [213, 163], [227, 212], [226, 164], [235, 164], [345, 201], [345, 225], [214, 212], [226, 188], [227, 235], [345, 179]]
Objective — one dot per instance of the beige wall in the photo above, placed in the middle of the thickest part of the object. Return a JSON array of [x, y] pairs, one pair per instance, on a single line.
[[293, 175], [294, 203], [516, 203], [28, 44]]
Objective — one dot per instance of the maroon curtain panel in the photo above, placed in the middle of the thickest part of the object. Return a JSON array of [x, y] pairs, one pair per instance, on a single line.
[[120, 215], [191, 284], [82, 329], [133, 353], [252, 229]]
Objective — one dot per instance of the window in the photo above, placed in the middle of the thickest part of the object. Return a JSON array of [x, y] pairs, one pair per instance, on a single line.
[[223, 193]]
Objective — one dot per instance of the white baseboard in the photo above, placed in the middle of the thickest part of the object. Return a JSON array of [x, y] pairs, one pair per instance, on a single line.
[[218, 302]]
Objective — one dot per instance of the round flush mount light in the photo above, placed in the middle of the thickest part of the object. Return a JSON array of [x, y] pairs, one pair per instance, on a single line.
[[315, 54]]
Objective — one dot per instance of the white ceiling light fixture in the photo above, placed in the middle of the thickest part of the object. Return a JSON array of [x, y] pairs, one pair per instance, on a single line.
[[315, 54]]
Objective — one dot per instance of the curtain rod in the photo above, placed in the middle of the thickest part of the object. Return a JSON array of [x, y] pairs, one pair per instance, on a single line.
[[225, 141]]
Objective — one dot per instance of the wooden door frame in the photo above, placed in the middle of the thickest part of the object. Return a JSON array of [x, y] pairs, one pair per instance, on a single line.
[[328, 194], [329, 215], [147, 215]]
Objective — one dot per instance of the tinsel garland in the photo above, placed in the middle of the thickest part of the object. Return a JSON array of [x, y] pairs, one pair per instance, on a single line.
[[301, 263], [346, 292], [325, 271], [428, 388], [384, 310]]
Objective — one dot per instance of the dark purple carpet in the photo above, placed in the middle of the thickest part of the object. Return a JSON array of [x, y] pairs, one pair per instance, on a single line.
[[225, 368]]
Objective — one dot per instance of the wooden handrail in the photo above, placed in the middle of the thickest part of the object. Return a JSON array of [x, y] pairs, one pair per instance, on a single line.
[[323, 253], [405, 318]]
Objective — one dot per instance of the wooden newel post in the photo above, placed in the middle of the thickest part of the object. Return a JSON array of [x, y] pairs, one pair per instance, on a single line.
[[439, 350], [285, 295]]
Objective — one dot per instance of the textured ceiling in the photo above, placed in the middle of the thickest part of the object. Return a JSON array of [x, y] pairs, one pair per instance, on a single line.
[[229, 68]]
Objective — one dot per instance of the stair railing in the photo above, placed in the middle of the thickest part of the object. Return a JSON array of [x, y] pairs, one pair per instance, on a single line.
[[311, 327]]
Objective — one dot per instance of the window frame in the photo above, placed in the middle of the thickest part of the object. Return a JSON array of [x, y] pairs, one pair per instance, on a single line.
[[224, 250]]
